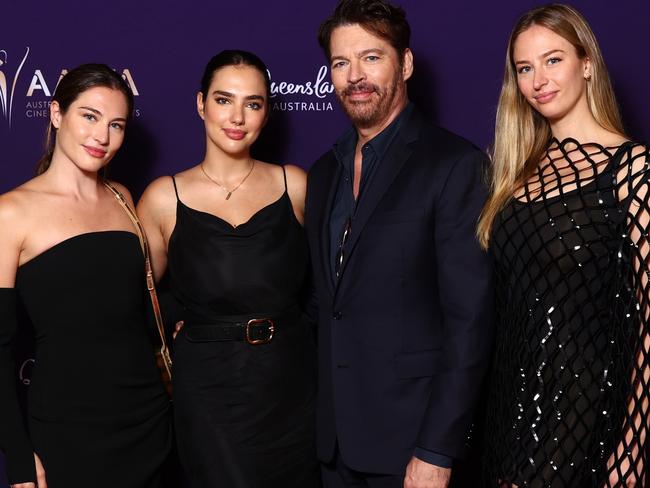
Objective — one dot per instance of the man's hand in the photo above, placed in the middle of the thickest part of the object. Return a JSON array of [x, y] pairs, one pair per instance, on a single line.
[[40, 476], [424, 475]]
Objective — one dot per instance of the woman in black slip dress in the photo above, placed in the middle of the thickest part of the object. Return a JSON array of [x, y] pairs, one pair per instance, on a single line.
[[98, 413], [228, 231], [567, 224]]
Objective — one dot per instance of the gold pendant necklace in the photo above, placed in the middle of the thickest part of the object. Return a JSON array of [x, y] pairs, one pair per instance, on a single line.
[[229, 192]]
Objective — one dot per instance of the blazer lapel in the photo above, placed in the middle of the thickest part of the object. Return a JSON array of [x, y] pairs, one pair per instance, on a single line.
[[385, 173]]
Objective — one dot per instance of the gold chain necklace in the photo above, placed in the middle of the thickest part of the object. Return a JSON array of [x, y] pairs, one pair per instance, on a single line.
[[229, 192]]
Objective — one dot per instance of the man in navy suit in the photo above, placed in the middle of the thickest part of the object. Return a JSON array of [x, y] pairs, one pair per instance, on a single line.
[[404, 291]]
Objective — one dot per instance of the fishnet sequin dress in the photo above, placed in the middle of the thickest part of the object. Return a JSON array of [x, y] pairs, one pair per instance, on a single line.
[[568, 398]]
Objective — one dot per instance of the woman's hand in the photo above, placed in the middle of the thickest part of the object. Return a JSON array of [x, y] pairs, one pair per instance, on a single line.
[[177, 329], [40, 476]]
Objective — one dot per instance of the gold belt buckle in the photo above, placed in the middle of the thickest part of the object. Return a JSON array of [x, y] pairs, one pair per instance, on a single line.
[[257, 323]]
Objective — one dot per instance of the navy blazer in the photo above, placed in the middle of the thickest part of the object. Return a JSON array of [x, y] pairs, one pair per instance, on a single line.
[[405, 333]]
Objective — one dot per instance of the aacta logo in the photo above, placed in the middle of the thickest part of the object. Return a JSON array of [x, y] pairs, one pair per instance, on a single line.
[[39, 91], [7, 96]]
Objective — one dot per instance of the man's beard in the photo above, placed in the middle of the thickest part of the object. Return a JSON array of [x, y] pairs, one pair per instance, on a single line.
[[369, 113]]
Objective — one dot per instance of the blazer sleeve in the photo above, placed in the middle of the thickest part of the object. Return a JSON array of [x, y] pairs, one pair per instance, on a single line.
[[14, 441], [466, 299]]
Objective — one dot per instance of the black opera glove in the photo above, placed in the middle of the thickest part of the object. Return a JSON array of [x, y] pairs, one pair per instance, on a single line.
[[14, 441]]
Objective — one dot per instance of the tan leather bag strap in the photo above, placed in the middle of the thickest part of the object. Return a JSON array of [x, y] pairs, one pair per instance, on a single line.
[[151, 285]]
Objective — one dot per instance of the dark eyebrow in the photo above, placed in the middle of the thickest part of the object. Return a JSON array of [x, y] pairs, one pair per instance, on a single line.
[[368, 51], [93, 110], [542, 56], [359, 54], [230, 95]]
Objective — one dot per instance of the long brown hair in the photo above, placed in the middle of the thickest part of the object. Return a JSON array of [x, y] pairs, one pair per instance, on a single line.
[[73, 84], [521, 133]]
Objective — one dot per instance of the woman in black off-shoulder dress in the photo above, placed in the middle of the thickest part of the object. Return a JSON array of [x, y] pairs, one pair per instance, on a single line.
[[229, 233], [567, 224], [98, 414]]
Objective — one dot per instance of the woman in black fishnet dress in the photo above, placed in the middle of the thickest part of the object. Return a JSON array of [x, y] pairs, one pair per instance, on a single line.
[[567, 224]]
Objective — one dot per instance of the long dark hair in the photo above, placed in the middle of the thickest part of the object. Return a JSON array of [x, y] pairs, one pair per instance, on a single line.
[[233, 57], [73, 84]]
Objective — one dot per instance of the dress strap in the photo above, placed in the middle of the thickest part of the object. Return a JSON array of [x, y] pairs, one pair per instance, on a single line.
[[175, 188], [284, 172]]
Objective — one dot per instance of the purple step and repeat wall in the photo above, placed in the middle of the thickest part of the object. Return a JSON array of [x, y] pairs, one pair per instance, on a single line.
[[162, 47]]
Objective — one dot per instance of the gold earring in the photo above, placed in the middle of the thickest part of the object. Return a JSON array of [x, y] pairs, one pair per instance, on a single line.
[[588, 76]]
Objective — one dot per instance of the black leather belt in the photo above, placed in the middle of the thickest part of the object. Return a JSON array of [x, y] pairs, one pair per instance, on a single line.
[[254, 330]]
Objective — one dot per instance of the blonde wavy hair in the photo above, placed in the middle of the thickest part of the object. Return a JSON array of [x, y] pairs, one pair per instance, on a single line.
[[521, 133]]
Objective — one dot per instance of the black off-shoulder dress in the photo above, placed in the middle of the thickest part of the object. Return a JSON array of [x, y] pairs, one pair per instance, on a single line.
[[569, 399], [98, 414]]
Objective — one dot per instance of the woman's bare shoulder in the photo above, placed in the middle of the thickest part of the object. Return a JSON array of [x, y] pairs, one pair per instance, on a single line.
[[18, 210], [159, 190], [123, 190], [296, 179], [16, 203], [294, 171]]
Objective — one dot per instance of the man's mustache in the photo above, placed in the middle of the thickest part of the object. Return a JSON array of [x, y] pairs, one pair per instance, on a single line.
[[359, 87]]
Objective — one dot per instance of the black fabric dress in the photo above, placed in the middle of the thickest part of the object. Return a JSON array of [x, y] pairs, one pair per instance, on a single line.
[[244, 413], [98, 413], [568, 398]]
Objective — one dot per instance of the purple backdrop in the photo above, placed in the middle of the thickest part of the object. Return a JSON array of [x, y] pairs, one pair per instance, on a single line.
[[459, 53]]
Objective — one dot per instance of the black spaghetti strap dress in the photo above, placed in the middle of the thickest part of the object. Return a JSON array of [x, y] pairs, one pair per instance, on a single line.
[[98, 413], [569, 396], [244, 412]]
